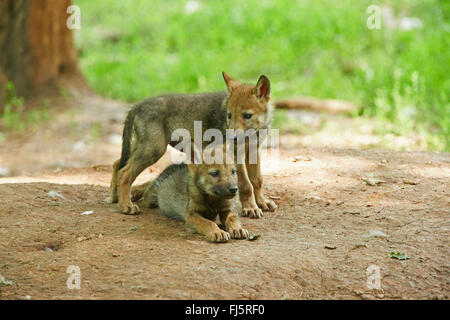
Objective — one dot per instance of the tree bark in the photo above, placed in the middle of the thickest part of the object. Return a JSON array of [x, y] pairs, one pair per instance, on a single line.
[[36, 48]]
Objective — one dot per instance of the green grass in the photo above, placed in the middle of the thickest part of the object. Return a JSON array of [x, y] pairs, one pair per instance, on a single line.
[[311, 47], [16, 119]]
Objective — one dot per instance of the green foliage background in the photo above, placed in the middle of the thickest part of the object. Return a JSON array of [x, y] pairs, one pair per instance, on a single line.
[[138, 48]]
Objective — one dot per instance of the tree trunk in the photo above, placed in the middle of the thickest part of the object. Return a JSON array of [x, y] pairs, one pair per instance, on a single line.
[[36, 48]]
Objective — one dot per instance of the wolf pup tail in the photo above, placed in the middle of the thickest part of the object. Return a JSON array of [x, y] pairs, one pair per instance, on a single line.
[[126, 139]]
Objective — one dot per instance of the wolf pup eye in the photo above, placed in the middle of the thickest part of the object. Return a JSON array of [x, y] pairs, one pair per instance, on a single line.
[[214, 173], [247, 115], [233, 171], [229, 115]]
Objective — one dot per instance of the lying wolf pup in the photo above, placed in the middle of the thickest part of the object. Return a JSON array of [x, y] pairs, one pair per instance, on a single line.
[[197, 194]]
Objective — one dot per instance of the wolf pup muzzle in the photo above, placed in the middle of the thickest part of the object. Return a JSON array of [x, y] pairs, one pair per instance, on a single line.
[[227, 191]]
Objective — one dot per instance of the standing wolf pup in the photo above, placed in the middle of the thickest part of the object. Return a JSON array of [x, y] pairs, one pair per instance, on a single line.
[[197, 194], [149, 126]]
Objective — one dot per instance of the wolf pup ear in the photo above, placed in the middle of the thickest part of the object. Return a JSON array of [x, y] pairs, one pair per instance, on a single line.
[[230, 82], [262, 89]]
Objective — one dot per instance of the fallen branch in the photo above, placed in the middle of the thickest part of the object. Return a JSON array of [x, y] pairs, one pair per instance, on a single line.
[[318, 105]]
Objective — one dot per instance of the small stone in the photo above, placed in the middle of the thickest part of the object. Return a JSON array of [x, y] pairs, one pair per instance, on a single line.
[[411, 182], [352, 212], [376, 234], [80, 239], [55, 194], [357, 246], [299, 158], [4, 281], [358, 292], [330, 247], [372, 181]]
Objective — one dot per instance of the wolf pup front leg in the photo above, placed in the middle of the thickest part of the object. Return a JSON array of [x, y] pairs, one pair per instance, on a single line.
[[232, 224], [254, 174], [207, 228], [246, 194]]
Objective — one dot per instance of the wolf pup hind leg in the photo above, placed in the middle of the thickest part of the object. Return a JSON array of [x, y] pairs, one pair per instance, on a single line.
[[137, 154]]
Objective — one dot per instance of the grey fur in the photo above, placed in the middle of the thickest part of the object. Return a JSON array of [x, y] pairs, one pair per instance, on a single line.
[[169, 193], [158, 117]]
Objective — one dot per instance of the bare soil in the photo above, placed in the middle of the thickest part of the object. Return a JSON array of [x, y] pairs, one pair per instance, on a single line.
[[329, 228]]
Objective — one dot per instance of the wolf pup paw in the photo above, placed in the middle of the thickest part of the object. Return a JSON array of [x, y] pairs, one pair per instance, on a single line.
[[266, 205], [238, 233], [131, 209], [219, 236], [251, 210]]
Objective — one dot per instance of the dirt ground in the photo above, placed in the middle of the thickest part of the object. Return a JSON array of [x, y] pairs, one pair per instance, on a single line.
[[330, 226]]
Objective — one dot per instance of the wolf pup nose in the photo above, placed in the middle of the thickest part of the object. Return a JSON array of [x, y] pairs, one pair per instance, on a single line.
[[227, 191], [233, 189]]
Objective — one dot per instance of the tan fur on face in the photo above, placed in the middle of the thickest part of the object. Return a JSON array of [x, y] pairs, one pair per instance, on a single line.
[[243, 99], [208, 183]]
